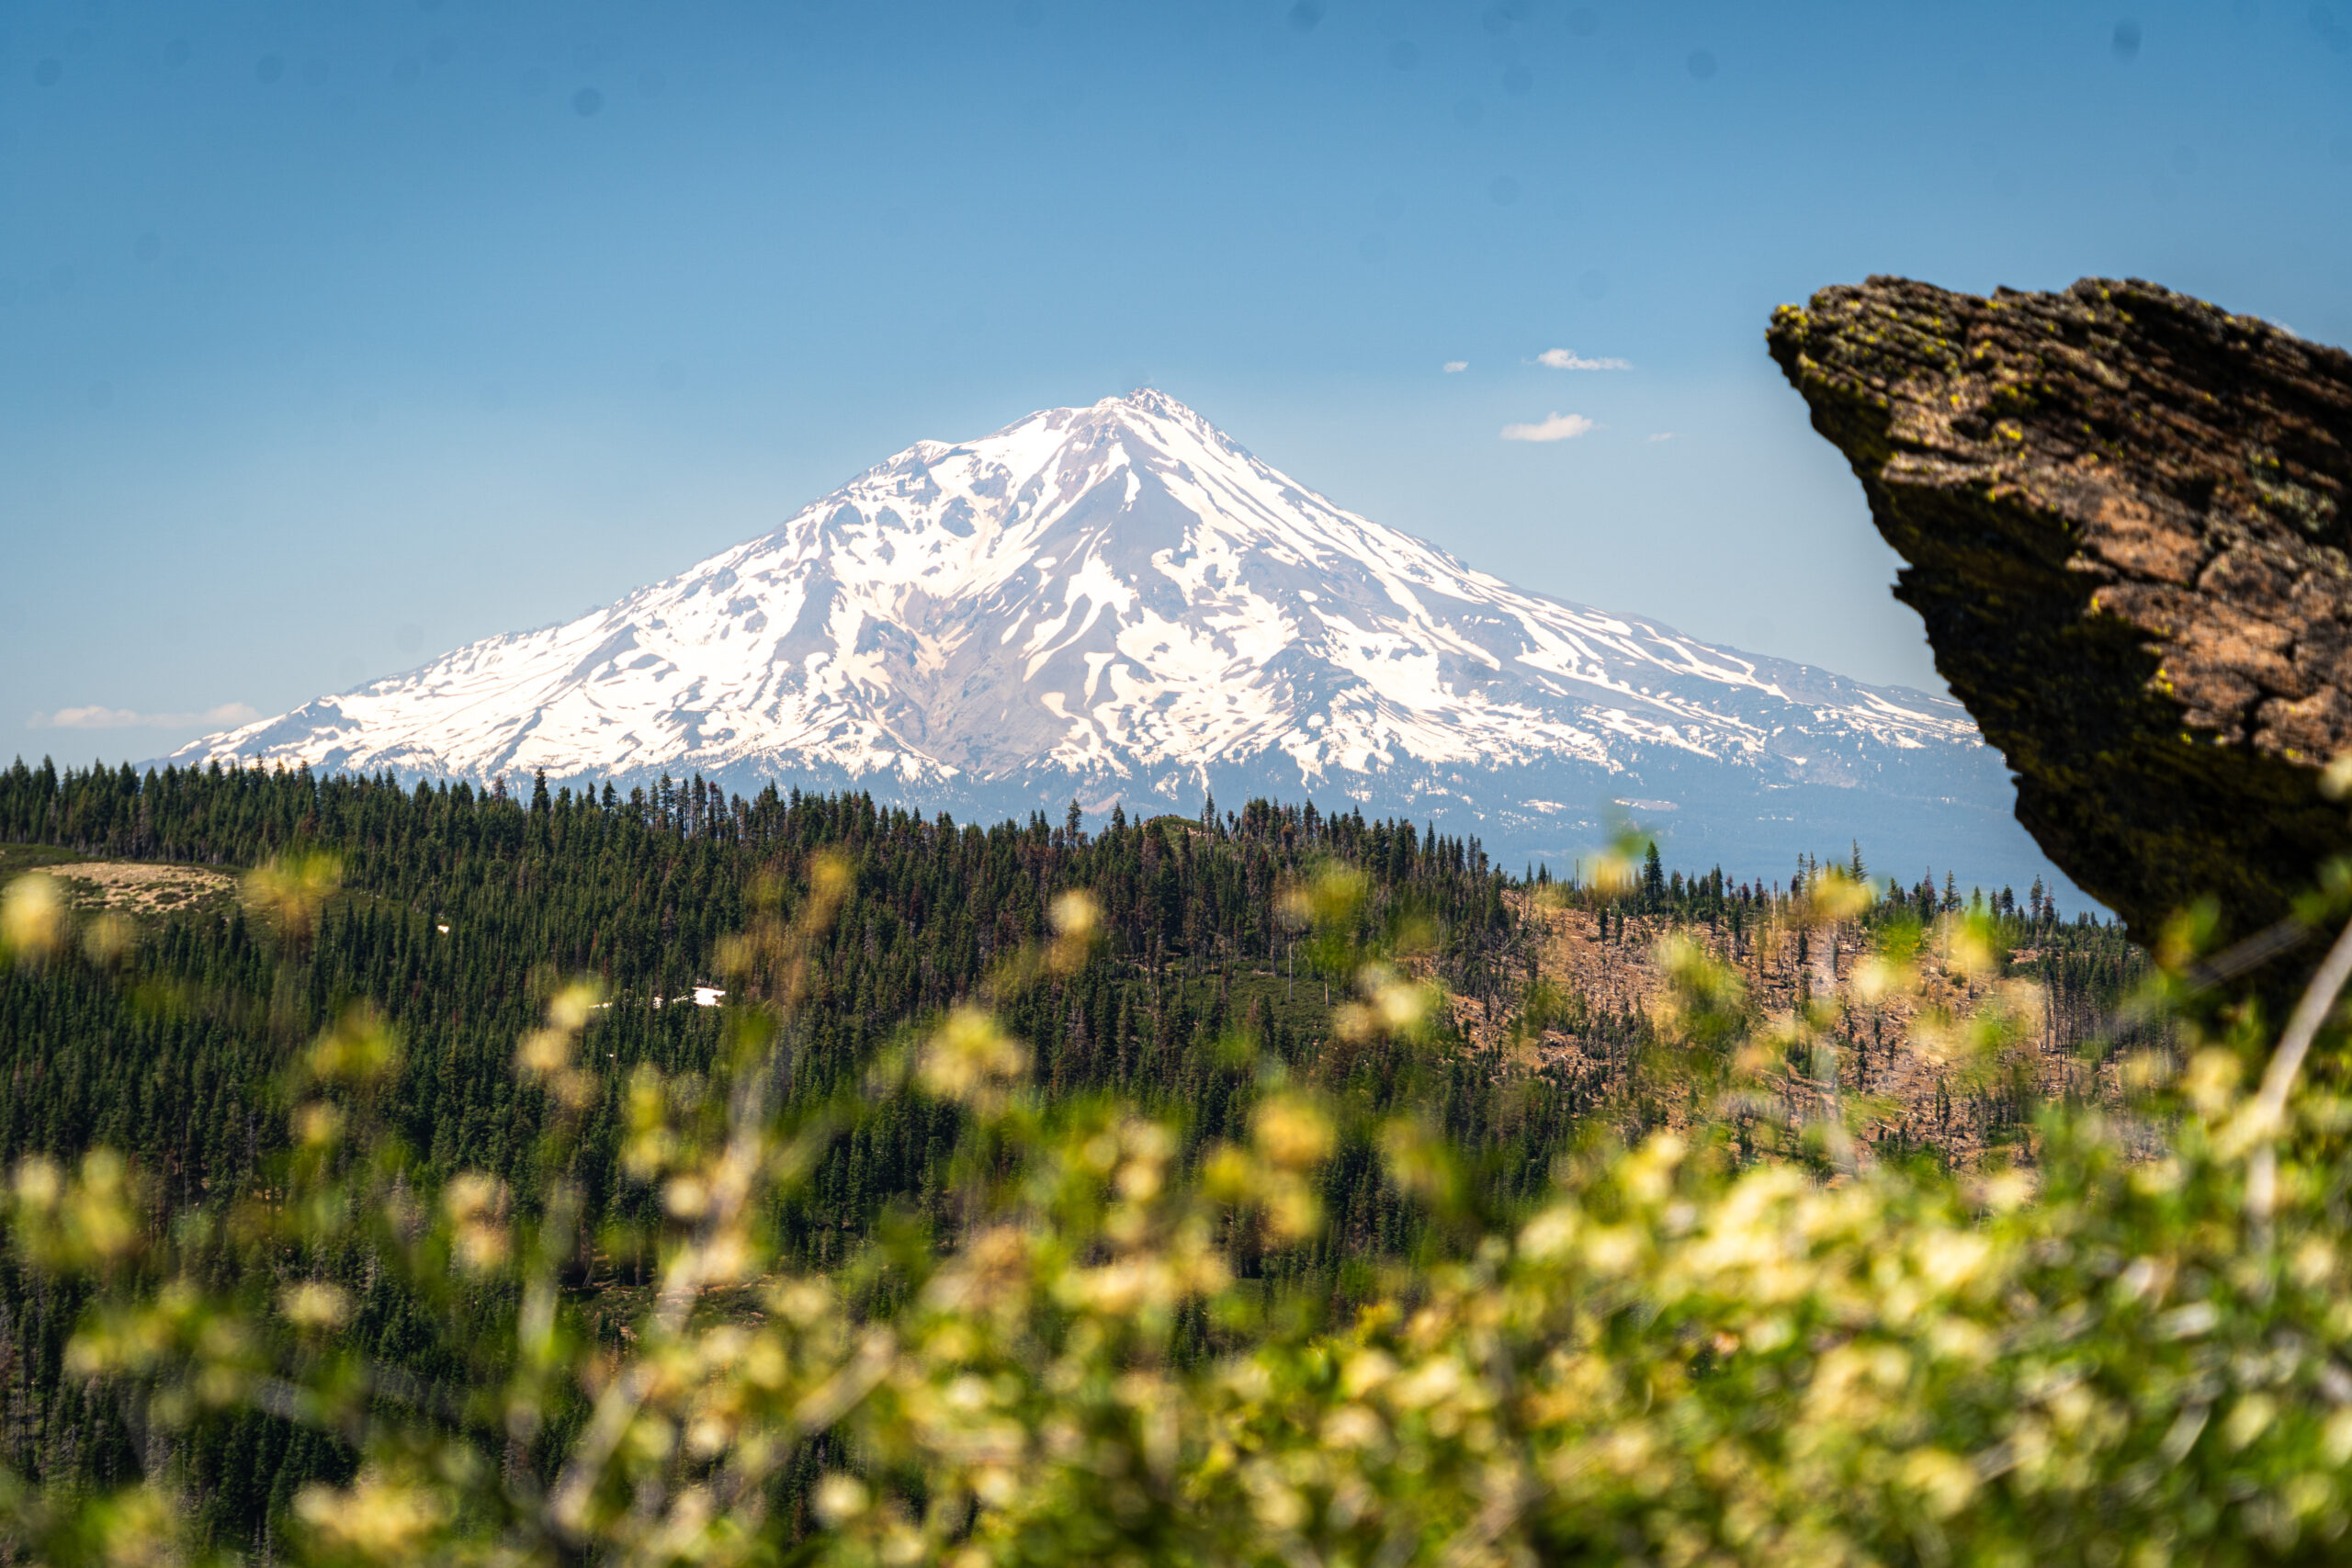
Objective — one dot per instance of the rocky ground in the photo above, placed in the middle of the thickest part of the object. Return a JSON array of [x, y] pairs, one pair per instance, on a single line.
[[1898, 1069]]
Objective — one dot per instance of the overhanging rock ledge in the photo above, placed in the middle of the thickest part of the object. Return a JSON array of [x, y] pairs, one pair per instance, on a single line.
[[2124, 515]]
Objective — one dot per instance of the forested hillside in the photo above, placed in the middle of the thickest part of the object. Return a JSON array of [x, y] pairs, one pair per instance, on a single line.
[[457, 914]]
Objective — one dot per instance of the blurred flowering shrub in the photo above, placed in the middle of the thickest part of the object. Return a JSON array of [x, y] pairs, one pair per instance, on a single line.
[[1729, 1340]]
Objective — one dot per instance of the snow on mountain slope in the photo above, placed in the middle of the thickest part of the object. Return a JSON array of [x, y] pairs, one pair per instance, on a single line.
[[1121, 602]]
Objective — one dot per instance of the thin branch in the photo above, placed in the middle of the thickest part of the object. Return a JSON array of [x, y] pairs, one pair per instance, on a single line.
[[2269, 1106], [747, 1150]]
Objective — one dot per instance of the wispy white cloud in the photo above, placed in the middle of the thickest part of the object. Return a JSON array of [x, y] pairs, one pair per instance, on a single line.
[[1457, 367], [228, 716], [1662, 436], [1559, 427], [1569, 359]]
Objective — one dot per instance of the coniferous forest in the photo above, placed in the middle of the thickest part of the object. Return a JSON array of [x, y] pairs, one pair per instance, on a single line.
[[457, 914], [459, 911]]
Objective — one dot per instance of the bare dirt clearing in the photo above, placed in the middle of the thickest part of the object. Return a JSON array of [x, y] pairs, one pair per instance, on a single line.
[[140, 888]]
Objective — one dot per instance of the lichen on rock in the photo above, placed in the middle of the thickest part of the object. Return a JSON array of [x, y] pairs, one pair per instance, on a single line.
[[2124, 515]]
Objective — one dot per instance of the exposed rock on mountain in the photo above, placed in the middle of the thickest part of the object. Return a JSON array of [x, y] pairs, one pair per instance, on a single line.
[[2124, 512], [1120, 602]]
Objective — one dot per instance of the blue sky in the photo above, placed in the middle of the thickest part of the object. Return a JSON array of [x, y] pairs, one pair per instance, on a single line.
[[333, 335]]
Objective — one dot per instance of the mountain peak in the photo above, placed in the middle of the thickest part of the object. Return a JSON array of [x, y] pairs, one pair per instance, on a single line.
[[1161, 420], [1154, 403]]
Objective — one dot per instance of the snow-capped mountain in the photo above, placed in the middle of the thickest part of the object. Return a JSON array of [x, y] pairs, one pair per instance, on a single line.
[[1120, 602]]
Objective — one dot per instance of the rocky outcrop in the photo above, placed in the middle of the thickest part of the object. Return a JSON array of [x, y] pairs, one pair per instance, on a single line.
[[2126, 520]]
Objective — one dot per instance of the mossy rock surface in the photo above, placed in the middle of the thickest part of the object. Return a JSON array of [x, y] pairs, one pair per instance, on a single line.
[[2124, 513]]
